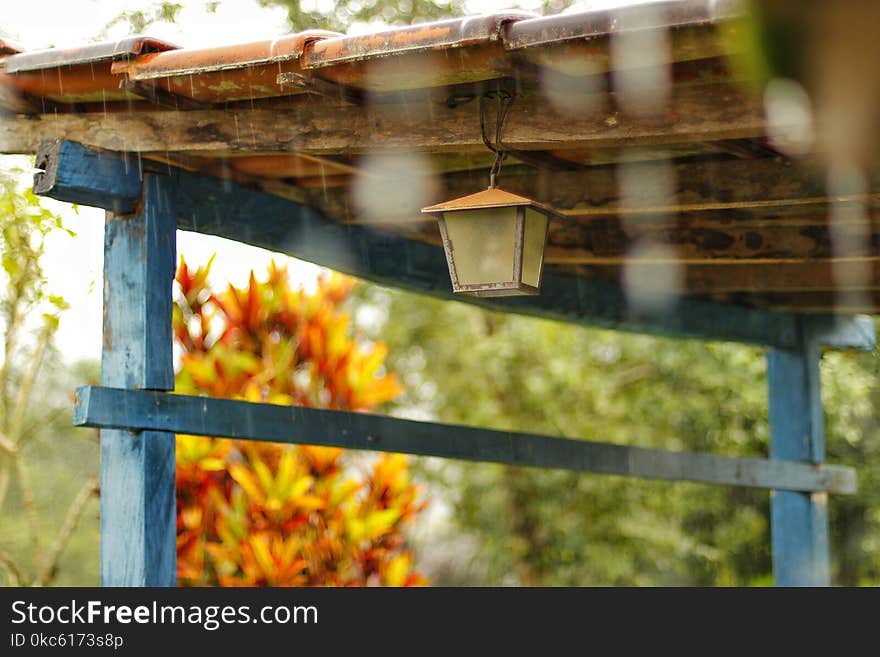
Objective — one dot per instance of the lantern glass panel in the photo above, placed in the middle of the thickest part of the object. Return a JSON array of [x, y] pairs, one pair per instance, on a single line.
[[534, 237], [483, 243]]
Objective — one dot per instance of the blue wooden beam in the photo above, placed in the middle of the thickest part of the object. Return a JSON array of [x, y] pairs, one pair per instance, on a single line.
[[155, 411], [799, 520], [86, 177], [138, 528], [224, 208]]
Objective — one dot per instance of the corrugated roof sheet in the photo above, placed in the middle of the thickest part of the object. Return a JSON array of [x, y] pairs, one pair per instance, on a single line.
[[587, 25], [456, 51], [80, 75], [224, 73], [223, 58], [93, 53], [440, 35]]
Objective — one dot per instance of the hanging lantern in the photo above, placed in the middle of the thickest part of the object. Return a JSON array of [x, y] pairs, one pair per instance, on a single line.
[[494, 242]]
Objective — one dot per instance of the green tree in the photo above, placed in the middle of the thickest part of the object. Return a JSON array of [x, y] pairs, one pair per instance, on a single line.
[[138, 20], [851, 393], [531, 526], [392, 12], [40, 522]]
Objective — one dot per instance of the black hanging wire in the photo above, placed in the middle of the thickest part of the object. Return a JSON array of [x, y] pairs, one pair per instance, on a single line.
[[504, 102]]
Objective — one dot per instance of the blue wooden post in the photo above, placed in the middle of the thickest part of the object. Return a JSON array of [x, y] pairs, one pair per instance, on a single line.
[[799, 520], [137, 468]]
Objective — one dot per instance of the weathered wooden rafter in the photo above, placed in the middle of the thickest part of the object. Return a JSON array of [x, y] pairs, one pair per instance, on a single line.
[[693, 114], [844, 275], [863, 301], [723, 212], [657, 190], [607, 242]]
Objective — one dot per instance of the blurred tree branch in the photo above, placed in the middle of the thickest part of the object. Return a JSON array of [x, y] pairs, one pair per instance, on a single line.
[[391, 12], [12, 572], [30, 317], [138, 20], [74, 512]]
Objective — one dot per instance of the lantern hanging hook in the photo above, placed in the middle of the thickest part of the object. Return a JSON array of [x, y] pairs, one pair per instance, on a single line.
[[504, 100]]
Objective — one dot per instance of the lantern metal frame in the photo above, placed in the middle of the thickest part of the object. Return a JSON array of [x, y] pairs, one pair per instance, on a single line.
[[494, 198], [491, 198]]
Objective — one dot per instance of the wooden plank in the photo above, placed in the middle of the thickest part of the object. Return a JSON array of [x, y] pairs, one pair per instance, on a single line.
[[809, 302], [694, 114], [730, 276], [229, 210], [138, 530], [663, 188], [155, 411], [691, 256], [320, 86], [160, 96], [799, 519], [604, 241], [745, 148], [12, 101]]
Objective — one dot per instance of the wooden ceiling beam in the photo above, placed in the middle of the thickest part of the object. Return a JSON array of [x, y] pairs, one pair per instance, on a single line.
[[652, 189], [844, 275], [689, 114], [809, 302], [611, 244]]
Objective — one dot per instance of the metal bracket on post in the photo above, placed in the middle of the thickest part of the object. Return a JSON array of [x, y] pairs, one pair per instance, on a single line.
[[799, 520]]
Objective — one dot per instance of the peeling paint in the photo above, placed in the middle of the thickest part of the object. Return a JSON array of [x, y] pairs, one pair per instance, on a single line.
[[107, 333]]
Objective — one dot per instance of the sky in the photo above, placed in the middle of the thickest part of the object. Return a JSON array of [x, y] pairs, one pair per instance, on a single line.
[[60, 23], [74, 265]]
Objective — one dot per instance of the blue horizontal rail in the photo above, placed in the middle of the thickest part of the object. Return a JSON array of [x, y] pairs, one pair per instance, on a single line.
[[144, 410]]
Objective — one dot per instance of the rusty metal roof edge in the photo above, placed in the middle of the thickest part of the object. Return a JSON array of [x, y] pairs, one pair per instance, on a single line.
[[515, 29], [306, 37], [453, 32], [558, 28], [37, 60], [8, 47]]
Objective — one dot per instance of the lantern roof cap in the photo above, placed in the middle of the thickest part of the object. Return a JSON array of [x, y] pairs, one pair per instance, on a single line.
[[488, 198]]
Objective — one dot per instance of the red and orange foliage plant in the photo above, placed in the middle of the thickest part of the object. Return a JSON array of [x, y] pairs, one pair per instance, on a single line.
[[264, 514]]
